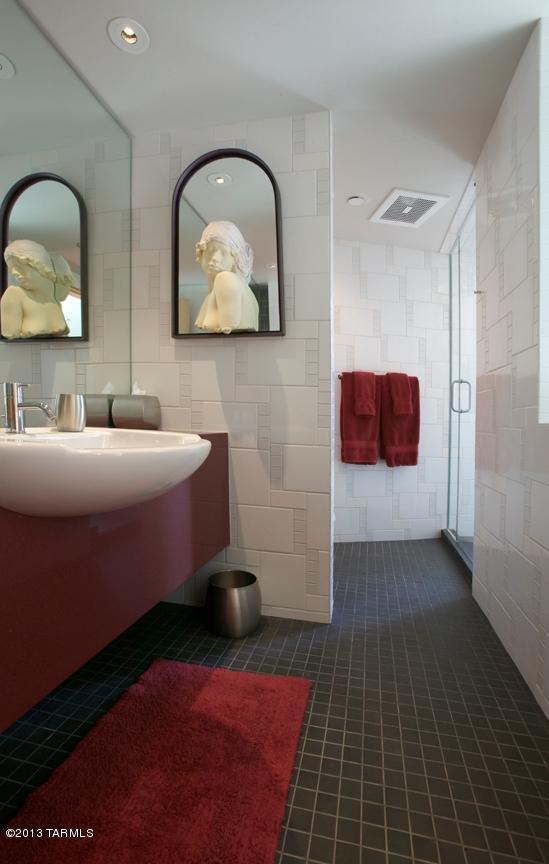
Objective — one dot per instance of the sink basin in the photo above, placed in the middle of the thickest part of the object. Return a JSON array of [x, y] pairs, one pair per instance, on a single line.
[[49, 473]]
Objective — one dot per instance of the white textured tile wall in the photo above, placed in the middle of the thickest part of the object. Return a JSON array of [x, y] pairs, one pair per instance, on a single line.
[[272, 395], [536, 148], [511, 571], [101, 173], [391, 315]]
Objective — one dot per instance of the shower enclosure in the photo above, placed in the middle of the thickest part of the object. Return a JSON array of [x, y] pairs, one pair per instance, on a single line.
[[461, 465]]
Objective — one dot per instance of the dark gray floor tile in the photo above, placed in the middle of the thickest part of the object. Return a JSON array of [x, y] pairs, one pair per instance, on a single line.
[[422, 743]]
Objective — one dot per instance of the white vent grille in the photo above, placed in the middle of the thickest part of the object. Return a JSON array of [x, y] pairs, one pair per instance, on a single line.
[[408, 208]]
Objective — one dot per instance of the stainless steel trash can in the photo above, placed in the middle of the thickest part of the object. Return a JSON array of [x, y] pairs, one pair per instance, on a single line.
[[233, 603]]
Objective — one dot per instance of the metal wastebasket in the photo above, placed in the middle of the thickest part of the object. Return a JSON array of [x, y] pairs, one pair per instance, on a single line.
[[233, 603]]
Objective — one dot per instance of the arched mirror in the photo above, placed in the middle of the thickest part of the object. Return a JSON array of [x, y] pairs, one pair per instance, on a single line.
[[43, 292], [227, 248]]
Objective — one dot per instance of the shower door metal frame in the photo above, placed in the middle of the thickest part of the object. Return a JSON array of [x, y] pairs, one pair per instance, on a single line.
[[455, 408]]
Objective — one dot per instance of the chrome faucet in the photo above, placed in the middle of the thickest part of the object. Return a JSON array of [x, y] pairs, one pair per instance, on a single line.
[[15, 406]]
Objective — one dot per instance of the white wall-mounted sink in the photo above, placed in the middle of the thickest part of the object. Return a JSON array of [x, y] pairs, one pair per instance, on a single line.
[[50, 473]]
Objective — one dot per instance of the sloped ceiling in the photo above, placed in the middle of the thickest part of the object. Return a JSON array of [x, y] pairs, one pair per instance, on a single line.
[[413, 87]]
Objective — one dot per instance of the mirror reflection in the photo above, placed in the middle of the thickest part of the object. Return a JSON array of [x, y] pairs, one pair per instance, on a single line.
[[227, 258], [43, 286]]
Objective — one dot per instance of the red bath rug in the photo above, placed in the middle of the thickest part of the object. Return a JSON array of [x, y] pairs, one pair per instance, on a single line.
[[191, 766]]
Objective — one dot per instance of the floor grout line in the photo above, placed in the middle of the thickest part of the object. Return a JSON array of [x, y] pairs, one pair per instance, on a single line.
[[421, 742]]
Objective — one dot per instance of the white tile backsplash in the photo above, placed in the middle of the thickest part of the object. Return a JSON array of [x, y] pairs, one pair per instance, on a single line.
[[356, 322], [318, 521], [510, 575], [116, 336], [403, 349], [154, 228], [159, 379], [239, 420], [394, 317], [367, 353], [272, 141], [282, 580], [403, 257], [306, 469], [298, 191], [302, 252], [312, 296], [265, 528], [150, 181], [373, 258], [271, 394], [280, 361], [213, 372], [317, 131], [250, 476], [515, 260], [294, 415], [419, 284], [382, 286]]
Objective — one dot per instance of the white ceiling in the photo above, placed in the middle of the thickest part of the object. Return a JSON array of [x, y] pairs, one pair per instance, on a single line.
[[414, 87], [45, 106]]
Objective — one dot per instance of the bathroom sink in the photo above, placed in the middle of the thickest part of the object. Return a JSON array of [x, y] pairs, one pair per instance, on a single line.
[[49, 473]]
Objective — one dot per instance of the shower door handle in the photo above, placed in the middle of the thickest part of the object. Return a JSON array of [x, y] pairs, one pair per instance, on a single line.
[[460, 410]]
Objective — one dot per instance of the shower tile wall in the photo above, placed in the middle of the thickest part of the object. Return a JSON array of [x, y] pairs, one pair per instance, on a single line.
[[272, 395], [391, 308], [100, 171], [511, 573]]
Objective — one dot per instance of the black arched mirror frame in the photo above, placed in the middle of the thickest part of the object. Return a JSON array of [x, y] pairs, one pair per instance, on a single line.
[[8, 203], [188, 173]]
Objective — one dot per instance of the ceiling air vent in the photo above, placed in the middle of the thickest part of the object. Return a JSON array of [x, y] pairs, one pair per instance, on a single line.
[[403, 207]]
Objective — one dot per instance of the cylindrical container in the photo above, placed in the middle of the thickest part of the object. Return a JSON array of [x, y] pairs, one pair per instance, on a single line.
[[136, 412], [98, 409], [233, 603], [71, 412]]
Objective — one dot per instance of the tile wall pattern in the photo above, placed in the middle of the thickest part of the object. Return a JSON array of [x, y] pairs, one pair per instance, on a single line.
[[511, 573], [100, 170], [391, 308], [543, 203], [272, 395]]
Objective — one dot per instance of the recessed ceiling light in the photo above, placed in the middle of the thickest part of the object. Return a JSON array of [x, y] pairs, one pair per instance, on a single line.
[[129, 35], [356, 200], [7, 69], [220, 179]]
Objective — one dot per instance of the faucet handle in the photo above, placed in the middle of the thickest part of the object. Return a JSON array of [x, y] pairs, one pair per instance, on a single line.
[[18, 388], [13, 389]]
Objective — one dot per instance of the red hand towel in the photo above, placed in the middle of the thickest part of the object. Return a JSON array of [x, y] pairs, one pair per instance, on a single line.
[[364, 384], [401, 394], [399, 432], [359, 434]]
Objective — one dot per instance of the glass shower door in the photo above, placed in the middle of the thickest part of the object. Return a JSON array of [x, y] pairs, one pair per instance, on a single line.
[[461, 474]]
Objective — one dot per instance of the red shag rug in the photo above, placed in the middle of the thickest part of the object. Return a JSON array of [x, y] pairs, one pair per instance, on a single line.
[[191, 766]]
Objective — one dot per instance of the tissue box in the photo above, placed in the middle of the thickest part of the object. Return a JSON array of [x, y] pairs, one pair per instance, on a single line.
[[98, 409], [135, 412]]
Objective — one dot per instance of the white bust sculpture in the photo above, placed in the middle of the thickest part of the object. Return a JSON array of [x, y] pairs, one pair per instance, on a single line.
[[227, 261], [31, 305]]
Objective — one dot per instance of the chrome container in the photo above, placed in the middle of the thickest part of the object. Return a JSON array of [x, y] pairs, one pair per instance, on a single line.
[[71, 412]]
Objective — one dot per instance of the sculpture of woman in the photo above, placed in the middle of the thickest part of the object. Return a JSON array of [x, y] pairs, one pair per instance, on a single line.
[[227, 261], [32, 305]]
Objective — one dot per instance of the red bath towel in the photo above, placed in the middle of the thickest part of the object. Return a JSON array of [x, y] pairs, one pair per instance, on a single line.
[[401, 393], [359, 432], [364, 384], [399, 432]]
